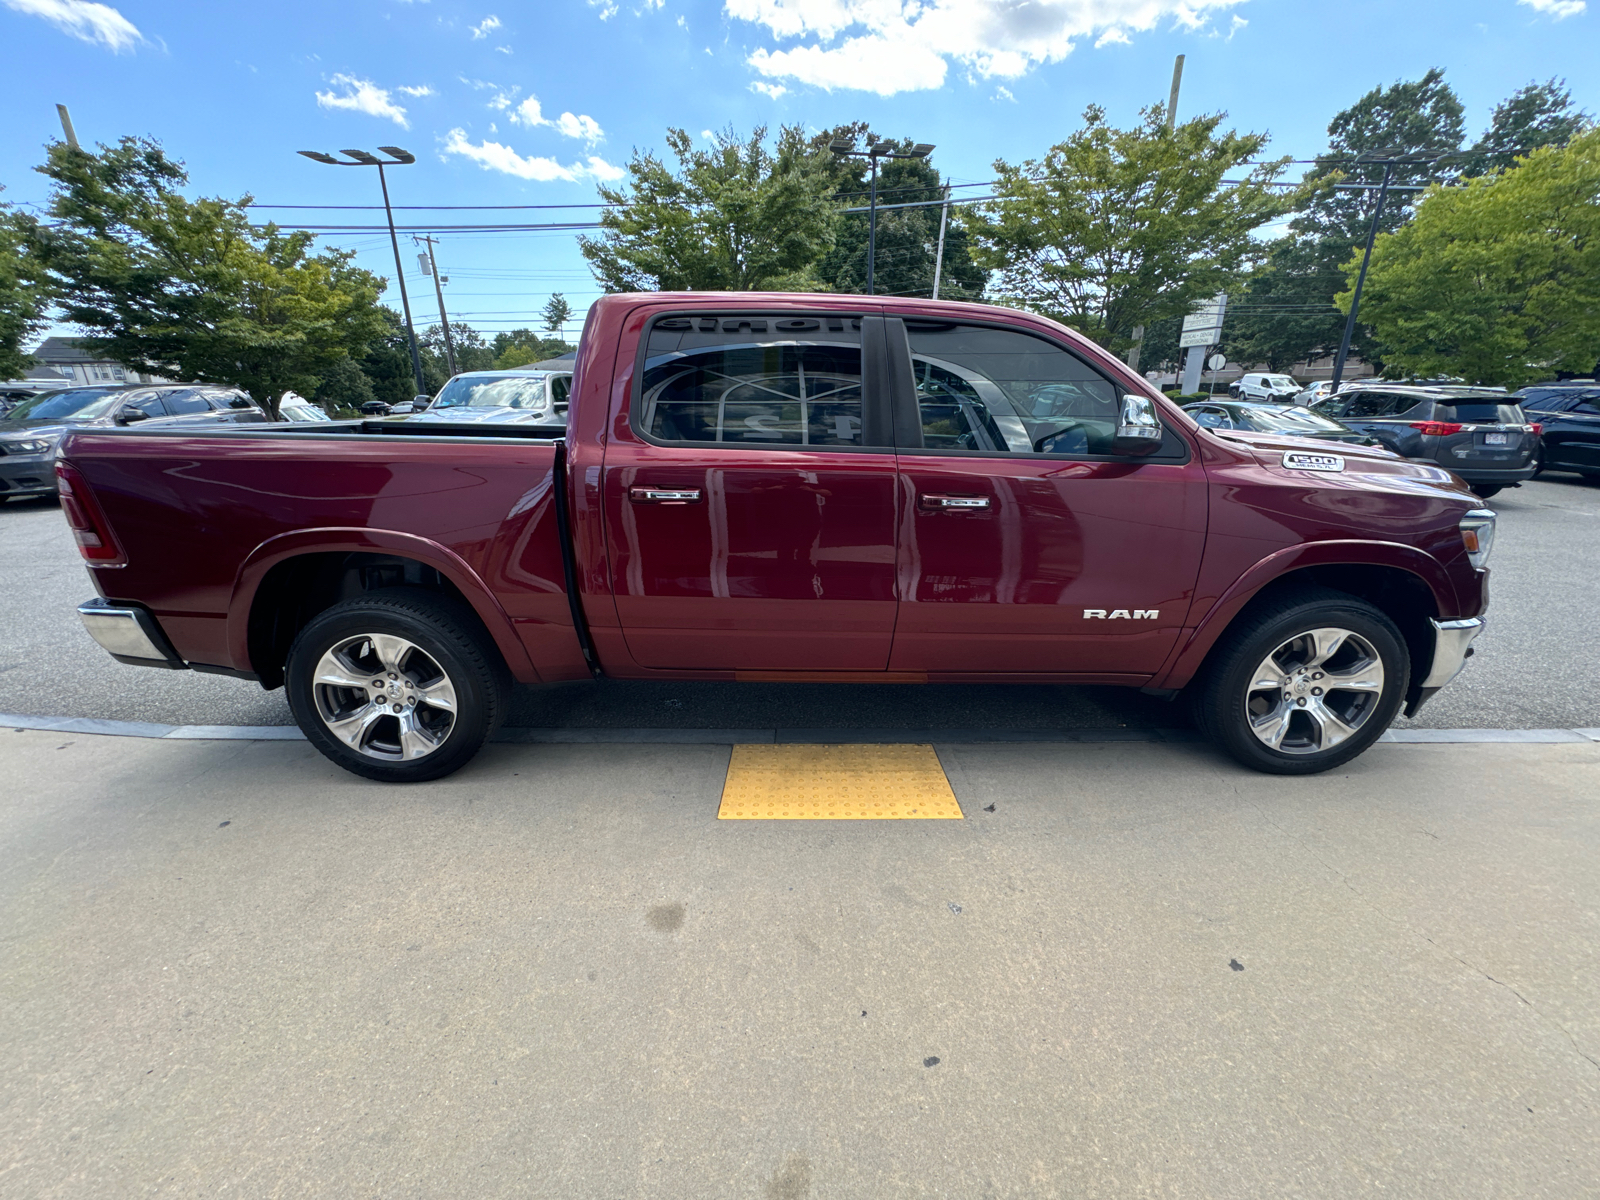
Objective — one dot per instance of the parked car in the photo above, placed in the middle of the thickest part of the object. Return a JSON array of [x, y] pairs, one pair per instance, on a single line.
[[1287, 419], [1478, 433], [376, 408], [1269, 387], [1569, 414], [293, 407], [29, 433], [790, 487], [502, 398], [1314, 392]]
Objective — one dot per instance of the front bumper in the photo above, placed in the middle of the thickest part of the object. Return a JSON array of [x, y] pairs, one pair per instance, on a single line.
[[130, 635], [1452, 646], [27, 475]]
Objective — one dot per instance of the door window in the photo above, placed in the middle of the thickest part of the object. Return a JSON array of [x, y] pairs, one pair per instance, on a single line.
[[1588, 406], [753, 381], [981, 389], [1371, 404], [185, 403], [149, 404]]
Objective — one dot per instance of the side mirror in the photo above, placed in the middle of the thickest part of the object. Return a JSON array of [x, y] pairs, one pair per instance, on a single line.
[[418, 403], [1138, 430], [131, 415]]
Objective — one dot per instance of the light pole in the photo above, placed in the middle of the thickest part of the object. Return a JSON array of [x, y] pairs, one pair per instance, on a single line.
[[882, 149], [399, 158]]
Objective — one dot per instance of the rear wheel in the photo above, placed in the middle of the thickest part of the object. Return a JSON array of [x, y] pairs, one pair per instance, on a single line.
[[399, 685], [1487, 490], [1304, 684]]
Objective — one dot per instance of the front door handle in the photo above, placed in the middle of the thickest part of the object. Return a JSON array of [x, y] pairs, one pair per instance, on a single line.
[[650, 495], [939, 500]]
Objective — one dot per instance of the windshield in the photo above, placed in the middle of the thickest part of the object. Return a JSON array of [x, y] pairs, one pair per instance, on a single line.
[[1286, 420], [1281, 381], [491, 391], [83, 403]]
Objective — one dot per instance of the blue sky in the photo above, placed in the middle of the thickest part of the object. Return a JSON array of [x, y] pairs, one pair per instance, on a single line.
[[517, 104]]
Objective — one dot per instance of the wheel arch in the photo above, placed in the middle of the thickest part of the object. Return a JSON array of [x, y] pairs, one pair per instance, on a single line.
[[1406, 584], [289, 579]]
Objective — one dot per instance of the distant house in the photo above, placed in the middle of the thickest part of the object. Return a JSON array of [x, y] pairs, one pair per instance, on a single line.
[[67, 357]]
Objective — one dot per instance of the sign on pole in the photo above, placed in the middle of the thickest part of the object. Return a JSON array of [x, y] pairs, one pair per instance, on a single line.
[[1203, 327]]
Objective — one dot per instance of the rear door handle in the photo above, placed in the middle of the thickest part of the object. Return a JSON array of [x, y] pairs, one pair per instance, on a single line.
[[650, 495], [939, 500]]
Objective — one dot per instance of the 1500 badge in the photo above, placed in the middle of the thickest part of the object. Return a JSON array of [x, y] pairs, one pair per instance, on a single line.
[[1300, 460]]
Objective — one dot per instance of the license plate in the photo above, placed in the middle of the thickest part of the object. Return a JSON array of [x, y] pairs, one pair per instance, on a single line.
[[1494, 439]]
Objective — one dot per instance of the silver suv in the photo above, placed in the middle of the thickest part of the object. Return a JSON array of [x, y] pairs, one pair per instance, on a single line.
[[1478, 433]]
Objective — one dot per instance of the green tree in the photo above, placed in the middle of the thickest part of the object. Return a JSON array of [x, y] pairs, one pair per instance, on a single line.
[[556, 314], [738, 217], [1121, 227], [519, 347], [1541, 114], [1286, 312], [23, 296], [1497, 281], [344, 389], [908, 238], [386, 361], [170, 285]]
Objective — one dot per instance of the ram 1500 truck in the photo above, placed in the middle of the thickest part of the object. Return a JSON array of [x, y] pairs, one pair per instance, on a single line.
[[788, 487]]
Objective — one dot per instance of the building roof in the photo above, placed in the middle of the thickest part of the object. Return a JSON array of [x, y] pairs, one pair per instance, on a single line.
[[60, 349]]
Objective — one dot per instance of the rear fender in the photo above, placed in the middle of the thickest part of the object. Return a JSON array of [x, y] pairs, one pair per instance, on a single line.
[[380, 541], [1189, 654]]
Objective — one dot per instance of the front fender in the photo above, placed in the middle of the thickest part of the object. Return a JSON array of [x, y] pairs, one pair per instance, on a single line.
[[353, 540], [1186, 658]]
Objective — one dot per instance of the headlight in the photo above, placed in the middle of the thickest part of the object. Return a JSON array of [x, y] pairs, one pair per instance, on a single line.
[[1477, 534], [31, 446]]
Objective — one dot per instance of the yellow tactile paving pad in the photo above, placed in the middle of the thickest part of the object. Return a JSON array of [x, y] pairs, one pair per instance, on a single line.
[[836, 783]]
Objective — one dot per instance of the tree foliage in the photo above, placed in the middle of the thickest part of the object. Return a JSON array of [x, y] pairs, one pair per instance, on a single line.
[[1539, 115], [1497, 281], [520, 347], [556, 313], [344, 389], [739, 216], [174, 286], [1114, 228], [23, 295]]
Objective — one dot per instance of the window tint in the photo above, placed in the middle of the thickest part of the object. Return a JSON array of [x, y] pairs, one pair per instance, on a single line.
[[983, 389], [1589, 406], [149, 403], [1371, 404], [186, 402], [234, 400], [560, 389], [1480, 411], [754, 380]]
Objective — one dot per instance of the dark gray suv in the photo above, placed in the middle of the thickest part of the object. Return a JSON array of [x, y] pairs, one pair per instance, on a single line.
[[1478, 433], [30, 431]]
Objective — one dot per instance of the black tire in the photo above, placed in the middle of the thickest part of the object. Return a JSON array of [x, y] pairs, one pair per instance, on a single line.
[[1488, 490], [1224, 700], [423, 728]]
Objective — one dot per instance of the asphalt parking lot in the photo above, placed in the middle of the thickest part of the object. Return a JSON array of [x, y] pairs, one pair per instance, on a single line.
[[233, 969], [1534, 667]]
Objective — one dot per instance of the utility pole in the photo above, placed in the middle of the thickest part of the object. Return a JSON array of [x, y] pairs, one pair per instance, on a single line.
[[938, 261], [66, 126], [438, 290], [1361, 279], [1172, 101]]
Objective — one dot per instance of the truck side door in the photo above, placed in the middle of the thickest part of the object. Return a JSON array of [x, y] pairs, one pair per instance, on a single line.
[[1025, 546], [749, 497]]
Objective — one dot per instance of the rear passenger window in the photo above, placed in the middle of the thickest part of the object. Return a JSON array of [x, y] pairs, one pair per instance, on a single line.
[[986, 389], [787, 380], [184, 402]]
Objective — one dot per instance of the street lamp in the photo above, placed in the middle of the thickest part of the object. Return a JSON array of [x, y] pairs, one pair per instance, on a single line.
[[399, 158], [883, 149]]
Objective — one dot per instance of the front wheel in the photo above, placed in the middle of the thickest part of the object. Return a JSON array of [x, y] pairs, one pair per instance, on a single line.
[[1304, 684], [398, 685]]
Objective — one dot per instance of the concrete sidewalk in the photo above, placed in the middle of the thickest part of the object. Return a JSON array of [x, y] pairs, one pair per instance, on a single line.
[[230, 968]]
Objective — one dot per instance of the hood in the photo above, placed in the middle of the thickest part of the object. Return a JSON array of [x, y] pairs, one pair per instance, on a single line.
[[1370, 464], [1271, 446], [485, 415], [45, 425]]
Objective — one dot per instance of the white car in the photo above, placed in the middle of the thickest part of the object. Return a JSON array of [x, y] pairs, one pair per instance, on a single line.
[[1265, 388], [1314, 392], [502, 397], [294, 407]]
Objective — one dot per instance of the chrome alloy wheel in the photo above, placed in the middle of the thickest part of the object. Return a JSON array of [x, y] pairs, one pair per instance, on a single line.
[[1314, 691], [384, 697]]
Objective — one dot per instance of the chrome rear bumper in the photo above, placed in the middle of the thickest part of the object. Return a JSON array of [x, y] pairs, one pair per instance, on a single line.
[[1452, 642], [129, 635]]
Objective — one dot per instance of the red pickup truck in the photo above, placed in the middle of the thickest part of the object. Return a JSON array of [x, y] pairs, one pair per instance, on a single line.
[[788, 487]]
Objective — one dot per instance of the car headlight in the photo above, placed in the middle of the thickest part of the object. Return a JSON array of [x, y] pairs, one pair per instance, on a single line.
[[31, 446], [1477, 534]]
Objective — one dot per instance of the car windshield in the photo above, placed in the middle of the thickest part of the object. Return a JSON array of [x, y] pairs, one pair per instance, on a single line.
[[1280, 381], [492, 391], [83, 403], [1286, 420]]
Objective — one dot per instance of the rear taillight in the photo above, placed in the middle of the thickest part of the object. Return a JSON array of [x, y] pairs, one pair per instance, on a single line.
[[1536, 429], [1436, 428], [95, 540]]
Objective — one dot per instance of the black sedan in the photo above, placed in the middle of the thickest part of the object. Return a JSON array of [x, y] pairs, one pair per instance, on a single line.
[[1288, 419], [1569, 414]]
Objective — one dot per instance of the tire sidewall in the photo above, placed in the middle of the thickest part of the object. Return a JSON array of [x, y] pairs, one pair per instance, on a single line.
[[475, 704], [1223, 698]]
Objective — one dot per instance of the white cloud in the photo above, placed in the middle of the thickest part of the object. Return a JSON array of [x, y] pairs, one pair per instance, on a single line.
[[1559, 9], [503, 49], [361, 95], [93, 23], [608, 8], [773, 90], [483, 29], [1003, 93], [683, 22], [530, 115], [492, 156], [1235, 25], [424, 90], [887, 47]]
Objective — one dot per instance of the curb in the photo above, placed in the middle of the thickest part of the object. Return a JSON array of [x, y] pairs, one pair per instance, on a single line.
[[729, 737]]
